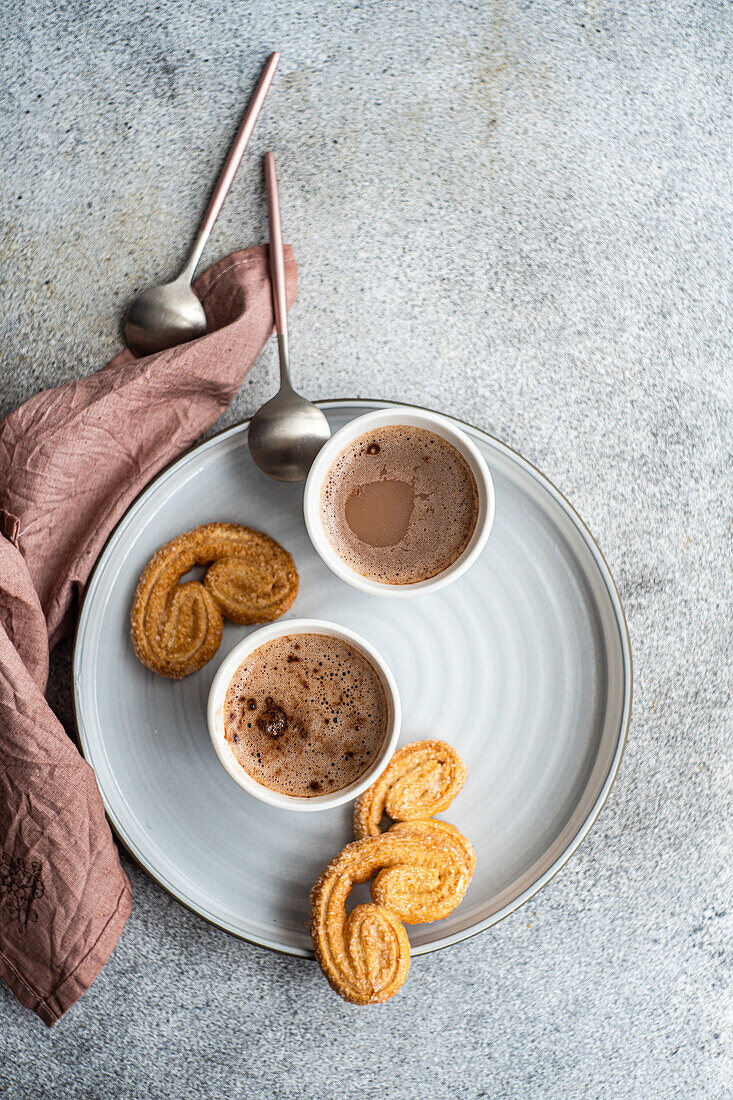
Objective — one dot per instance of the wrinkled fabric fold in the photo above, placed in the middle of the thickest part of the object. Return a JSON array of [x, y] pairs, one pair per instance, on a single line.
[[72, 459]]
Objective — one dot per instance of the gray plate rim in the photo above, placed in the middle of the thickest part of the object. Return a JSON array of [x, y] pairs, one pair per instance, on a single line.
[[138, 504]]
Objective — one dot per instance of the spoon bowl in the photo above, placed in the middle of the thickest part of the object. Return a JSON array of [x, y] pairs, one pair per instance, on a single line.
[[164, 316], [286, 434]]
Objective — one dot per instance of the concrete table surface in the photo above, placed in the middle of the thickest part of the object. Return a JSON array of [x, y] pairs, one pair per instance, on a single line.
[[516, 212]]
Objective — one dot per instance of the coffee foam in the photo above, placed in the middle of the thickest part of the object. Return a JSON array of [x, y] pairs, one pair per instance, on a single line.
[[444, 511], [305, 714]]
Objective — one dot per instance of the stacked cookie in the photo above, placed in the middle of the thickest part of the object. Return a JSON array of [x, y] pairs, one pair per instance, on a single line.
[[420, 868]]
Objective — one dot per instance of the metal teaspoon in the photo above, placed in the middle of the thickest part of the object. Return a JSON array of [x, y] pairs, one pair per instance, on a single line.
[[170, 313], [287, 433]]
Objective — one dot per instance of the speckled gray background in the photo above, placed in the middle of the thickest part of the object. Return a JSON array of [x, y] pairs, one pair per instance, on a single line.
[[517, 212]]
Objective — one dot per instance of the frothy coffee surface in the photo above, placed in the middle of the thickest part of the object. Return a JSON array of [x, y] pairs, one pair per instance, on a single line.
[[399, 504], [305, 714]]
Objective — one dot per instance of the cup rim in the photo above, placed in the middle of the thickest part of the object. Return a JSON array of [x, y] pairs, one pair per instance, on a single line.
[[217, 695], [379, 418]]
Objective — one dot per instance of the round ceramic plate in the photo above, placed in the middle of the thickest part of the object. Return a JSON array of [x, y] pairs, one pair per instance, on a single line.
[[523, 664]]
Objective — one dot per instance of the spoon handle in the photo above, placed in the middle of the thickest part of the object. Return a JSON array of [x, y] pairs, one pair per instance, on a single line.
[[231, 164], [277, 268]]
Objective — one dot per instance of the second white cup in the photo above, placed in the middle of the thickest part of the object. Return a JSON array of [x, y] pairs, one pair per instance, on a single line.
[[217, 696]]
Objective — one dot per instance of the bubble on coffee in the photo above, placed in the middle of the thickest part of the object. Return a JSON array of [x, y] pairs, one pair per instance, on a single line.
[[306, 714], [399, 504]]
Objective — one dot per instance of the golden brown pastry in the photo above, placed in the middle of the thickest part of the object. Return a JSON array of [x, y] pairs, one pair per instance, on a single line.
[[176, 628], [422, 872], [432, 887], [420, 780], [422, 897]]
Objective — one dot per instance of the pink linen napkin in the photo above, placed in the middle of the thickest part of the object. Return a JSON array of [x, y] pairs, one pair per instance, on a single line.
[[71, 461]]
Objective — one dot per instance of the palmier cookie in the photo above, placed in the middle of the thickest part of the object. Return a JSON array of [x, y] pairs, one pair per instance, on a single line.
[[176, 628], [366, 955], [420, 780], [452, 838], [420, 893]]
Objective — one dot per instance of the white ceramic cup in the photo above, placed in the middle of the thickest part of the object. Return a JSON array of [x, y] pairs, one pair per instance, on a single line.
[[217, 696], [414, 418]]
